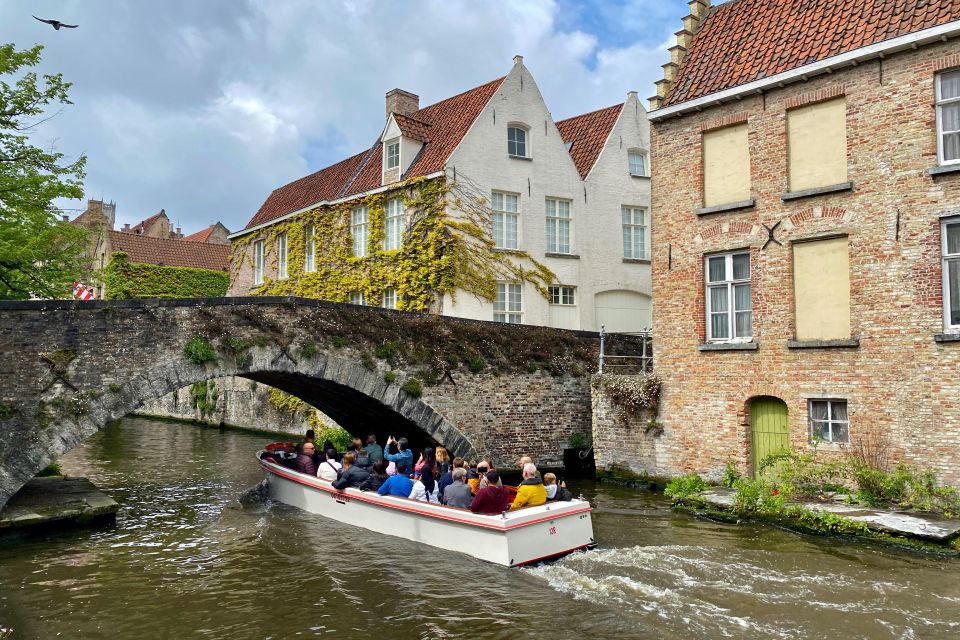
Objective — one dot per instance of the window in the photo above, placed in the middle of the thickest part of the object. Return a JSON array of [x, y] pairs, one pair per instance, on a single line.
[[393, 238], [726, 166], [359, 231], [948, 117], [563, 295], [310, 261], [282, 256], [828, 421], [258, 262], [356, 297], [637, 162], [392, 153], [517, 141], [390, 298], [817, 145], [821, 289], [558, 226], [508, 305], [506, 220], [729, 311], [634, 232], [950, 232]]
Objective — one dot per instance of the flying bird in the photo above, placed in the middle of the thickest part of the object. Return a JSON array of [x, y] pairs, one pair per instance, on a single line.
[[56, 24]]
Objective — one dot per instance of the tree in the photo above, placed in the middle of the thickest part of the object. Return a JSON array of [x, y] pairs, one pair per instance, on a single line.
[[40, 256]]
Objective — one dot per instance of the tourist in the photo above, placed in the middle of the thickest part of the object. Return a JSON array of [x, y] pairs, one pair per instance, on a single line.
[[524, 461], [493, 499], [447, 478], [530, 493], [391, 449], [403, 454], [378, 475], [327, 446], [363, 460], [425, 488], [483, 467], [443, 460], [458, 494], [399, 484], [555, 492], [374, 451], [329, 468], [357, 443], [427, 459], [352, 475], [304, 462], [310, 437], [473, 478]]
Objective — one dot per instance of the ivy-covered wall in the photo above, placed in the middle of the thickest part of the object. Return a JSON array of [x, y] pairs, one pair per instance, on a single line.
[[446, 248], [124, 279]]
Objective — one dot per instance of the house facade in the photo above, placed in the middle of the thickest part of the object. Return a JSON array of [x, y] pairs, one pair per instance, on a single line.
[[479, 206], [806, 207]]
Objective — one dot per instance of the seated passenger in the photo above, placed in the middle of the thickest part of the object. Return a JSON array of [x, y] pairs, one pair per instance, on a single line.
[[555, 492], [377, 476], [392, 449], [399, 484], [443, 460], [530, 493], [327, 446], [458, 494], [493, 499], [310, 437], [483, 467], [427, 459], [329, 468], [524, 461], [363, 460], [425, 488], [473, 477], [373, 449], [352, 475], [304, 462], [404, 454], [447, 478]]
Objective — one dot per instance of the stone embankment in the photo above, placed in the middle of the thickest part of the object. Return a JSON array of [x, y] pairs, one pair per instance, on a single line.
[[57, 500]]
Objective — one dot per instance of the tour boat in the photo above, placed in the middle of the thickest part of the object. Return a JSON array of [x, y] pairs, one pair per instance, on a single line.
[[513, 538]]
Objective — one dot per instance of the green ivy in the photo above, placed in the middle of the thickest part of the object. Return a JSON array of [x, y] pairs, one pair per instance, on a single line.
[[124, 279], [199, 351]]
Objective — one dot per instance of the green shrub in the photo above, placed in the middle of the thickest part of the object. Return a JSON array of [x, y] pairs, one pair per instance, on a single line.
[[339, 342], [683, 487], [367, 361], [309, 349], [578, 441], [413, 388], [199, 351], [758, 496], [386, 351], [389, 377], [52, 469], [114, 387], [731, 474], [124, 279], [476, 364]]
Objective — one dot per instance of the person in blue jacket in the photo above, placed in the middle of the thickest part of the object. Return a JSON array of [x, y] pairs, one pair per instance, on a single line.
[[404, 454], [399, 484]]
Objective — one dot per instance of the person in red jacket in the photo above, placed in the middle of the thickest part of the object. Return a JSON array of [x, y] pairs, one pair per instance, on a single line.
[[493, 499]]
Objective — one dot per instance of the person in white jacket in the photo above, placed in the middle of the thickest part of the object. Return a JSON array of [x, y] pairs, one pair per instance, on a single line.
[[329, 469], [425, 489]]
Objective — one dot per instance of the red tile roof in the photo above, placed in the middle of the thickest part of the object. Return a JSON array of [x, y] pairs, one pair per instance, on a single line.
[[442, 125], [588, 133], [141, 226], [171, 253], [413, 129], [200, 236], [744, 40]]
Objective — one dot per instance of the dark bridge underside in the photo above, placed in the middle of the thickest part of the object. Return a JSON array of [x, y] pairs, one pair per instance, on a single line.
[[356, 412]]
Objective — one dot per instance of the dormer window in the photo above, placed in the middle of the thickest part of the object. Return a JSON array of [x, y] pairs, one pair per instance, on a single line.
[[637, 162], [517, 141], [392, 153]]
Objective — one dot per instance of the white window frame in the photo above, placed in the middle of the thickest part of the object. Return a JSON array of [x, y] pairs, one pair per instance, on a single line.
[[394, 213], [360, 230], [562, 295], [643, 159], [505, 216], [730, 283], [830, 421], [391, 161], [504, 309], [948, 258], [525, 142], [258, 262], [357, 298], [310, 258], [554, 215], [939, 108], [389, 298], [282, 257], [629, 251]]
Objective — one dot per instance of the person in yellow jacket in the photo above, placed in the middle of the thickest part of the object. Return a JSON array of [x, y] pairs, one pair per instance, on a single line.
[[531, 492]]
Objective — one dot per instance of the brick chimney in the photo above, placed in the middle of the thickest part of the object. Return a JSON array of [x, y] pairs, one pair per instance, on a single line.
[[126, 227], [402, 102], [691, 24]]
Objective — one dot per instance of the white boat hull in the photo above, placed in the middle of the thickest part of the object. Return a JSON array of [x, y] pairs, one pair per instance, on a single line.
[[511, 539]]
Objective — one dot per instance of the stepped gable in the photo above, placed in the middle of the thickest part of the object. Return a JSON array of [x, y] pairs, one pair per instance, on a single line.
[[171, 253], [744, 40], [440, 127], [586, 134]]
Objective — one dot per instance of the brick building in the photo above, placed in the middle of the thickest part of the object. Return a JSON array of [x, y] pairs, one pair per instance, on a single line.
[[807, 223]]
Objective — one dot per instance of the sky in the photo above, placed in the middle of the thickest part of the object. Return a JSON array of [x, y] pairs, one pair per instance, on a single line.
[[202, 108]]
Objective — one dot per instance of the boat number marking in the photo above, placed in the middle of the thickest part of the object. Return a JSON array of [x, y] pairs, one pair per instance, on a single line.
[[341, 498], [553, 531]]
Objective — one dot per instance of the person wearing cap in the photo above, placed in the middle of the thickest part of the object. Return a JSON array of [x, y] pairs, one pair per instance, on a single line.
[[531, 492], [493, 499]]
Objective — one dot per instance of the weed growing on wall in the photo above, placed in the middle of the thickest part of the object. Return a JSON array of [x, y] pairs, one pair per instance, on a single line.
[[632, 394], [199, 351]]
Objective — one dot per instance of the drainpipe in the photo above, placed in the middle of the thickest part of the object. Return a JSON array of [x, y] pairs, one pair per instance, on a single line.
[[603, 334]]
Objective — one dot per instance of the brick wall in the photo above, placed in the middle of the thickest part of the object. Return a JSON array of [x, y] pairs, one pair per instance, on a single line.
[[899, 379]]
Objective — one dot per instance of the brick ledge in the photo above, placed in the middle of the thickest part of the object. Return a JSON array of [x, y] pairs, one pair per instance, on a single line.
[[947, 337], [728, 346], [816, 191], [733, 206], [824, 344]]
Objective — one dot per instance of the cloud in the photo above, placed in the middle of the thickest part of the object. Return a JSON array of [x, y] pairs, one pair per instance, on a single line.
[[203, 108]]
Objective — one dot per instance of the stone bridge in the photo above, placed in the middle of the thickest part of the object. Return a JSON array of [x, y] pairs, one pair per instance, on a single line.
[[68, 368]]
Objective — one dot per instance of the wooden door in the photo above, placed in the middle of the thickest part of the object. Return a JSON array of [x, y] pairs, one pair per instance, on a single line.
[[769, 430]]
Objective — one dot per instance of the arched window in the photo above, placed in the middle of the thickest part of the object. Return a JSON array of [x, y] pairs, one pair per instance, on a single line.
[[517, 141]]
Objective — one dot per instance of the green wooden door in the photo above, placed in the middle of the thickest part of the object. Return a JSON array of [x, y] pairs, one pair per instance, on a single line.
[[768, 429]]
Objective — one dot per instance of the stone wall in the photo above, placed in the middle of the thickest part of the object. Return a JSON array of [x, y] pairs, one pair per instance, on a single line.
[[624, 442]]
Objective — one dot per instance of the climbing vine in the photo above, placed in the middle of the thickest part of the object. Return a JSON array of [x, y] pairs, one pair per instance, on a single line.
[[203, 397], [285, 402], [446, 247], [125, 279]]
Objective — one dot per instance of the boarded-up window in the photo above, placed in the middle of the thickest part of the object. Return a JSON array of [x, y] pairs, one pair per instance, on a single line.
[[817, 145], [821, 289], [726, 166]]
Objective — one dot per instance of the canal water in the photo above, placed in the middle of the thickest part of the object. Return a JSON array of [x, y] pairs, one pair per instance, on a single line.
[[185, 560]]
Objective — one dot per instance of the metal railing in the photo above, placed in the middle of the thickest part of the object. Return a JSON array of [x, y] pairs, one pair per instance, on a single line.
[[627, 363]]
